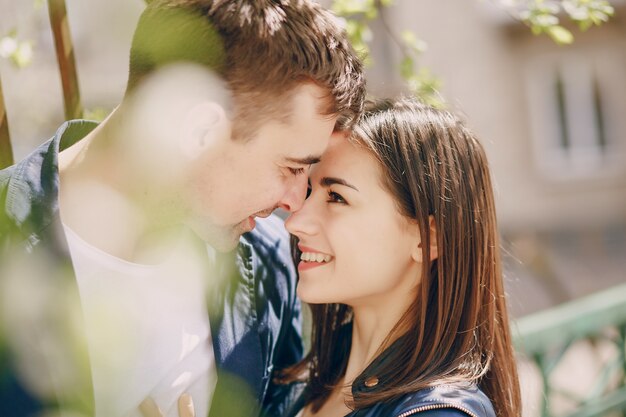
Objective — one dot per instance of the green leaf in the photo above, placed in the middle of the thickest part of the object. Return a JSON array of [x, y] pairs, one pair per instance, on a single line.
[[23, 55], [97, 113], [407, 67], [411, 40], [361, 48], [372, 13], [560, 35], [354, 29], [584, 25], [351, 7], [408, 37], [598, 18]]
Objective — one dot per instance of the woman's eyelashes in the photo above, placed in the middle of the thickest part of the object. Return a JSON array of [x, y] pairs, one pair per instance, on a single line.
[[334, 197]]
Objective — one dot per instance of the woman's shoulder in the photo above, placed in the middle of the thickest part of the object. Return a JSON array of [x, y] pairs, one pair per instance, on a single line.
[[444, 400], [438, 401]]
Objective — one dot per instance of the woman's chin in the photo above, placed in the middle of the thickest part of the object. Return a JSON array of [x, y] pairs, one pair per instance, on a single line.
[[310, 296]]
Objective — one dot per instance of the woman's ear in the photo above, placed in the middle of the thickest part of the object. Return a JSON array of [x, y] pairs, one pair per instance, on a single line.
[[205, 125], [417, 253]]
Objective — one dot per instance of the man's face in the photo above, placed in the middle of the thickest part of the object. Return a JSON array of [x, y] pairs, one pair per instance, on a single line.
[[239, 180]]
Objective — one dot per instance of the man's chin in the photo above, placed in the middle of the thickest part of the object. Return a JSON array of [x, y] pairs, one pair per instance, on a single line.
[[223, 244], [224, 238]]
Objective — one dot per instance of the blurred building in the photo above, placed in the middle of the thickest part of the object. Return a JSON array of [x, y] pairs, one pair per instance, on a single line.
[[553, 121]]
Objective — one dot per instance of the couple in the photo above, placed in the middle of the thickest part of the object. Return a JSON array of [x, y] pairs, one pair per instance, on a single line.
[[122, 293]]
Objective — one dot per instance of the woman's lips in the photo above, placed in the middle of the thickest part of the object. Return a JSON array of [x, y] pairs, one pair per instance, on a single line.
[[312, 258]]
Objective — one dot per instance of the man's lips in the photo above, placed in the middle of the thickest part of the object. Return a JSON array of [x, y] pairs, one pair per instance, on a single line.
[[265, 213], [251, 222]]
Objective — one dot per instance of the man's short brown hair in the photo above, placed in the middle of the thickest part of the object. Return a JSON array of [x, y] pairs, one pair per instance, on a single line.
[[263, 49]]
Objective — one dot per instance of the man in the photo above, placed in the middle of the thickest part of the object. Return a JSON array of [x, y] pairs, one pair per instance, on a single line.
[[103, 280]]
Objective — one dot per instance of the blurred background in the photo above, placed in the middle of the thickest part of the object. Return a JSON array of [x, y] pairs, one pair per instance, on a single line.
[[552, 118]]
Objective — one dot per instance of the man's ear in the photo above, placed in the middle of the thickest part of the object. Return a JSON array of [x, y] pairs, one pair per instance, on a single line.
[[416, 254], [205, 125]]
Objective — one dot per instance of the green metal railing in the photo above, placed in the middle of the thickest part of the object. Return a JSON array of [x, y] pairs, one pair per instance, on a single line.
[[599, 320]]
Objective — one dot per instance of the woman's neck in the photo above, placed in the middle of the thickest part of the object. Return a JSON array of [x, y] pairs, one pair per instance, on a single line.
[[371, 331]]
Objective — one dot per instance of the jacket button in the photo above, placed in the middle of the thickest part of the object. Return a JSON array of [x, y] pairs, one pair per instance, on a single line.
[[372, 381]]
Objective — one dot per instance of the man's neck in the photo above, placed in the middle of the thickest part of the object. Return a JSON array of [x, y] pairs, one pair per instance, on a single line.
[[100, 202]]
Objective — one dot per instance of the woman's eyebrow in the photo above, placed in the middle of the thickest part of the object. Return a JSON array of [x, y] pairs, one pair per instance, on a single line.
[[328, 181]]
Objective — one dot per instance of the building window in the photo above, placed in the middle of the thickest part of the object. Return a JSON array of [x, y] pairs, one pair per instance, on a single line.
[[577, 109]]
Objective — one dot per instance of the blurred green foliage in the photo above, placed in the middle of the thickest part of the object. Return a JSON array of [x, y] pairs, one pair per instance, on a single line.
[[541, 16], [18, 51], [359, 16]]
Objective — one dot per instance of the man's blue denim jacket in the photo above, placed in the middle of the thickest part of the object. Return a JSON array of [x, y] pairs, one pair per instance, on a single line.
[[255, 316]]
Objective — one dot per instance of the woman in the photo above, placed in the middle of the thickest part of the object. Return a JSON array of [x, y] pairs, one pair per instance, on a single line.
[[398, 257]]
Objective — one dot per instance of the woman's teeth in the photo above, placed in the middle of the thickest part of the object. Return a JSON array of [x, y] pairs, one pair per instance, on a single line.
[[315, 257]]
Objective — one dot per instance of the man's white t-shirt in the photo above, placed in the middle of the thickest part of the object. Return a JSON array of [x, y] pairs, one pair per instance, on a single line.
[[147, 328]]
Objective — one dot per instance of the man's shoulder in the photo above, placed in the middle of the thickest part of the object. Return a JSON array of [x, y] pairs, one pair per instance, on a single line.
[[29, 188], [27, 174], [26, 188], [5, 175]]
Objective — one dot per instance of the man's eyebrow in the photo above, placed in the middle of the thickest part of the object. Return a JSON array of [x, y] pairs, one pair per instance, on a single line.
[[308, 160], [328, 181]]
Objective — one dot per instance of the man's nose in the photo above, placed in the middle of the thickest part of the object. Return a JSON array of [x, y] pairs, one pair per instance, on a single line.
[[303, 222], [295, 194]]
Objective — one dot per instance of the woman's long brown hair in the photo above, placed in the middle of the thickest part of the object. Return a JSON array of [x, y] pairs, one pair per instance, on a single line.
[[458, 324]]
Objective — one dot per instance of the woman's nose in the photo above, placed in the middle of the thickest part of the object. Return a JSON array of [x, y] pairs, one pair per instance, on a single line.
[[303, 221]]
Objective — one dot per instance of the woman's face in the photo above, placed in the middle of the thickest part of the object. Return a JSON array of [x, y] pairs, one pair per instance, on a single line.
[[357, 249]]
